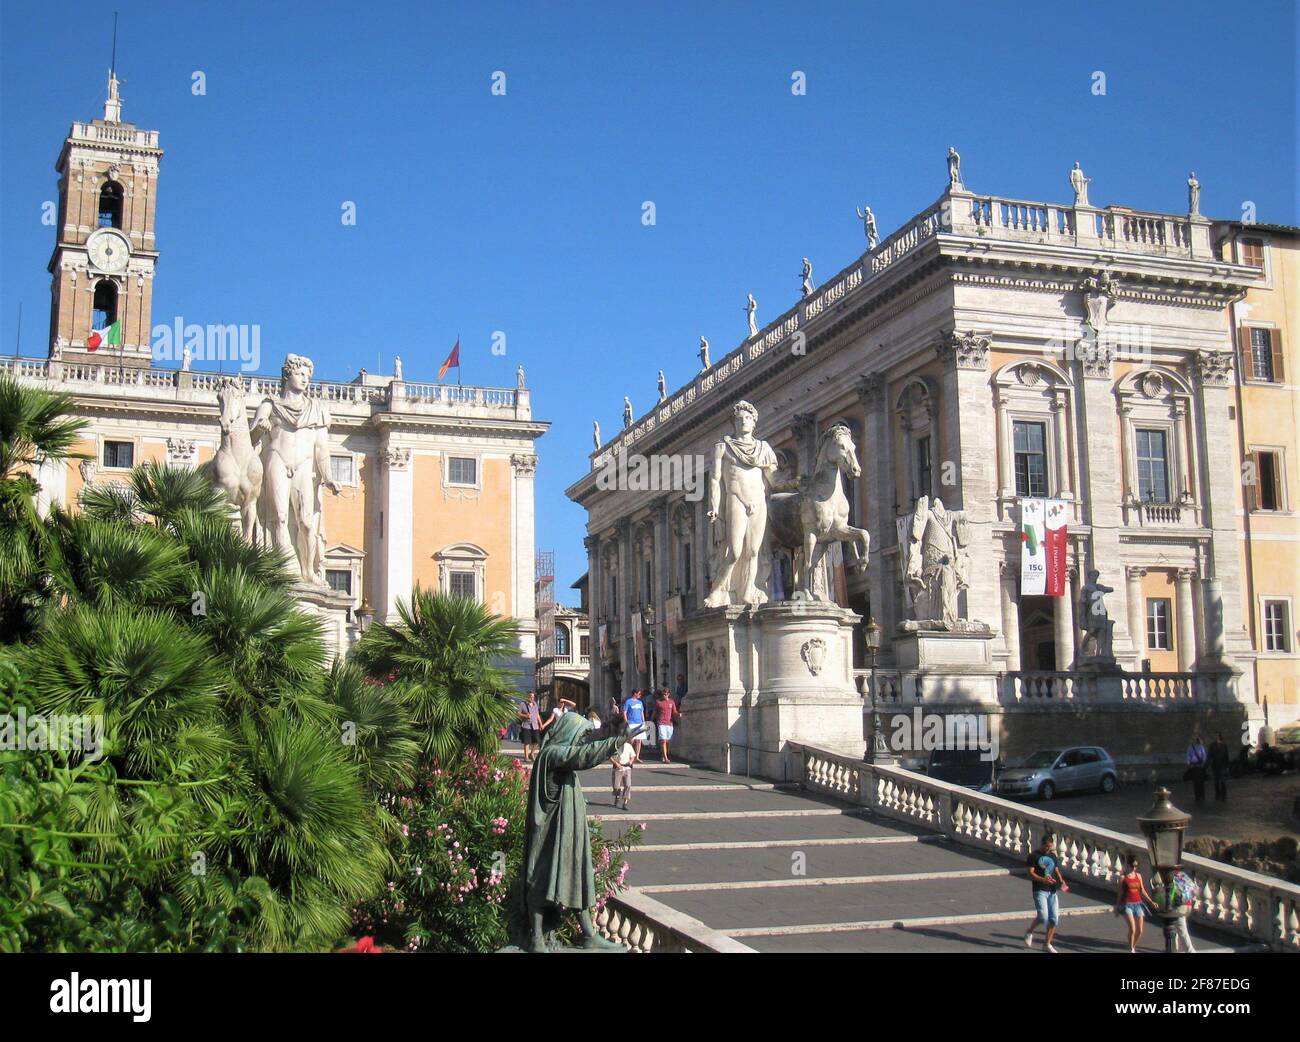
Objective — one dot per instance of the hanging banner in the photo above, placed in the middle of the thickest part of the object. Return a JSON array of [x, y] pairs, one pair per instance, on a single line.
[[639, 641], [1033, 548], [1042, 547], [672, 613], [603, 632], [1054, 522]]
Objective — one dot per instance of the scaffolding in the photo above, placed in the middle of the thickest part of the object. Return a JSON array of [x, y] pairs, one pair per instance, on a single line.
[[545, 590]]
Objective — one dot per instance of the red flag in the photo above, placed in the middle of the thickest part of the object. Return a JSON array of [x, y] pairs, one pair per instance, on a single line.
[[453, 359]]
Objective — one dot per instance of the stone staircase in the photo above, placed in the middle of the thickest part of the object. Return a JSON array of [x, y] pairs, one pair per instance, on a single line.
[[782, 870]]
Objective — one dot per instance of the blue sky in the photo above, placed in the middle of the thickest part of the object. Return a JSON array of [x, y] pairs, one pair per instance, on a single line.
[[522, 213]]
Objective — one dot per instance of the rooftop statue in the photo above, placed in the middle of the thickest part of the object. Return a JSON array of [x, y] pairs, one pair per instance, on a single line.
[[807, 277], [868, 220], [704, 354], [954, 168], [1080, 185], [751, 309]]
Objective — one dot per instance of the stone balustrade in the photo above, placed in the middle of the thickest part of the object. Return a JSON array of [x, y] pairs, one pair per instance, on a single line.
[[92, 378], [1234, 900], [642, 924], [1032, 686]]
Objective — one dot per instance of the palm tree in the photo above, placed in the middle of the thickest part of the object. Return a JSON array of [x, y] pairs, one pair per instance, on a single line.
[[445, 653], [34, 428]]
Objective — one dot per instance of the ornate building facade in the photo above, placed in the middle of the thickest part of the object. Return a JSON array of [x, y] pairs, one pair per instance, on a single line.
[[436, 481], [990, 351]]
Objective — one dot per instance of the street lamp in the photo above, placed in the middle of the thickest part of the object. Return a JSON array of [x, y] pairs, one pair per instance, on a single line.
[[1164, 825], [877, 750], [363, 614], [648, 613]]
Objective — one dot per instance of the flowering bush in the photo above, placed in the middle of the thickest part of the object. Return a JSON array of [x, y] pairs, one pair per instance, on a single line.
[[458, 851]]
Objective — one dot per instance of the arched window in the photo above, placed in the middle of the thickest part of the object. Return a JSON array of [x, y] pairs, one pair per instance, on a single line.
[[110, 205], [561, 642], [104, 308]]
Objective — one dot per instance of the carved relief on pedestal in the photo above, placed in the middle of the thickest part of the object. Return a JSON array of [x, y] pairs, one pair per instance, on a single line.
[[710, 662], [813, 654]]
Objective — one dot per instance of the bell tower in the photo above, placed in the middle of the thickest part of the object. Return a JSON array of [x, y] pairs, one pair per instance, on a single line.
[[104, 255]]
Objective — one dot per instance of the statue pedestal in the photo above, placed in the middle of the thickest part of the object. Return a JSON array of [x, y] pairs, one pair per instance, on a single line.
[[334, 609], [760, 679], [955, 666]]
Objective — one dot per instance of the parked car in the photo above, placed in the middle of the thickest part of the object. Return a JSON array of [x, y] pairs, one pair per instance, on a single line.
[[968, 767], [1079, 768], [1288, 744]]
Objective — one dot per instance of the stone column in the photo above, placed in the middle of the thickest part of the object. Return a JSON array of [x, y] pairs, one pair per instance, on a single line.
[[1011, 614], [877, 459], [663, 582], [1186, 622], [524, 468], [1061, 409], [1222, 495], [1136, 618], [1006, 450], [623, 611], [1099, 478], [1213, 607], [1063, 629], [595, 597], [968, 441], [396, 560]]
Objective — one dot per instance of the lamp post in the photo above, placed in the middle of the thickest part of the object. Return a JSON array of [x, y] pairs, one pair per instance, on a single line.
[[363, 614], [1164, 825], [648, 613], [877, 748]]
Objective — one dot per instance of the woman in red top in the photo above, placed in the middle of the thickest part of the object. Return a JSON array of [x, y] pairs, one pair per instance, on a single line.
[[1131, 901]]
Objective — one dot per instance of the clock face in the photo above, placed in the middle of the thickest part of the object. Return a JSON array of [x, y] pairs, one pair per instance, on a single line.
[[108, 250]]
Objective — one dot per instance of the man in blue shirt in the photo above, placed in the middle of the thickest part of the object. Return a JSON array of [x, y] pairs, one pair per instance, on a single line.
[[634, 714], [1045, 875]]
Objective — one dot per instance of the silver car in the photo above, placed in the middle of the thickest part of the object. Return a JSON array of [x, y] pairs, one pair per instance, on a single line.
[[1079, 768]]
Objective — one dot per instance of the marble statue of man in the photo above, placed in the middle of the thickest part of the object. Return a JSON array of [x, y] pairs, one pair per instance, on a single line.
[[1193, 195], [807, 277], [868, 220], [663, 386], [704, 354], [397, 368], [1097, 625], [627, 411], [751, 310], [519, 378], [937, 564], [742, 470], [185, 359], [954, 168], [1080, 185], [595, 432], [294, 433]]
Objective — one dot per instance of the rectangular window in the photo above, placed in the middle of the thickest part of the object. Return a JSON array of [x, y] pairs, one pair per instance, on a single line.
[[1158, 625], [1030, 441], [923, 472], [343, 470], [462, 470], [1277, 626], [1252, 252], [1153, 466], [462, 584], [686, 567], [584, 646], [119, 454], [1266, 491], [339, 579], [647, 589], [1261, 353]]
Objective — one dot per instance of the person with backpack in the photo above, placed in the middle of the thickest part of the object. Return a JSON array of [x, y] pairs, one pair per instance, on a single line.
[[634, 713], [1045, 875], [1132, 901], [1183, 892], [1197, 758]]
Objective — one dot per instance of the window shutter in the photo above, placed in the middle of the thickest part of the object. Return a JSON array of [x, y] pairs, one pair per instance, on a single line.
[[1275, 343], [1252, 489], [1247, 355]]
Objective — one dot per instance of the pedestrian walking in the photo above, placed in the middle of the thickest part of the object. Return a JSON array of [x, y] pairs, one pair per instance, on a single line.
[[1197, 757], [530, 726], [679, 695], [1048, 882], [648, 699], [622, 762], [1183, 892], [1132, 901], [666, 716], [1220, 765], [634, 713]]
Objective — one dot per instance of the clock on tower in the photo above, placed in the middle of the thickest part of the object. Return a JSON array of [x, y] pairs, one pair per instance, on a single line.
[[104, 255]]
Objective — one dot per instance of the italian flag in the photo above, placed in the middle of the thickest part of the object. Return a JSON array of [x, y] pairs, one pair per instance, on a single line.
[[110, 335]]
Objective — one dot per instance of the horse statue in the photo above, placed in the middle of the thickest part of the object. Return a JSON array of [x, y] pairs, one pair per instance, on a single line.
[[236, 468], [806, 522]]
